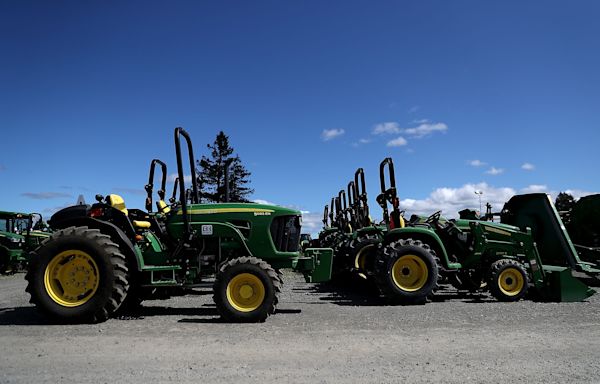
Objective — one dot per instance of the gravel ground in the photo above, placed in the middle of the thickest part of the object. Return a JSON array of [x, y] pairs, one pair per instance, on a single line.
[[318, 335]]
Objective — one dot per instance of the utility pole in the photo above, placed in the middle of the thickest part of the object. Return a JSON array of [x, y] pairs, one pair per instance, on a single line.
[[479, 193]]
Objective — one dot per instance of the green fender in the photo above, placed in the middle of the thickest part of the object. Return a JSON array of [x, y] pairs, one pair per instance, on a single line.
[[426, 236]]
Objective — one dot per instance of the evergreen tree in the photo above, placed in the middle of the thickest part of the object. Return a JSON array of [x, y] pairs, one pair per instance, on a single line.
[[564, 202], [211, 173]]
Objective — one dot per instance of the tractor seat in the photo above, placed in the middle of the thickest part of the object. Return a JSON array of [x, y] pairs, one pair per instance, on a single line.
[[162, 207], [118, 203]]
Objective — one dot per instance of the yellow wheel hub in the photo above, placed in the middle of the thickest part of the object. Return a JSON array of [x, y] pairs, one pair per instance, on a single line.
[[245, 292], [511, 281], [71, 278], [410, 273]]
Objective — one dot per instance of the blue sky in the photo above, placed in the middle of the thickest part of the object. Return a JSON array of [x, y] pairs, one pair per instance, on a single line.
[[501, 97]]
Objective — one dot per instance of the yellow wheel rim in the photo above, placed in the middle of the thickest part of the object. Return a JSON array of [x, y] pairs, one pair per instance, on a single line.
[[410, 273], [511, 281], [360, 261], [245, 292], [71, 278]]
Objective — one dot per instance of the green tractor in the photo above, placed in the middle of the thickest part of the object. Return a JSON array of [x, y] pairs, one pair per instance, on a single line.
[[19, 234], [105, 257], [408, 260]]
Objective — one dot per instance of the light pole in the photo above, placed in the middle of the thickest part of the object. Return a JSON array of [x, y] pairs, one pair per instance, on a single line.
[[479, 193]]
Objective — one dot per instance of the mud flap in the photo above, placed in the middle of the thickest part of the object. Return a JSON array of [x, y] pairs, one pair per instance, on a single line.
[[315, 264]]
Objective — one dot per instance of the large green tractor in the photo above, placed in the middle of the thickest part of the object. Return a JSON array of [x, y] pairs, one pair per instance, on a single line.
[[105, 257], [19, 234]]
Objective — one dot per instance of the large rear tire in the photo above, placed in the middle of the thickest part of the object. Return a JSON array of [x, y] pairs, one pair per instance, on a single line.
[[406, 271], [246, 290], [78, 275]]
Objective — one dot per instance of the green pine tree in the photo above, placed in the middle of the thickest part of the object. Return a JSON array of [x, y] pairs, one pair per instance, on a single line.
[[211, 171]]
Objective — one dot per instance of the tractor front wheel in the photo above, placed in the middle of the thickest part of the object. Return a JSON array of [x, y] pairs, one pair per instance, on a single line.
[[246, 289], [78, 275], [508, 280], [406, 271]]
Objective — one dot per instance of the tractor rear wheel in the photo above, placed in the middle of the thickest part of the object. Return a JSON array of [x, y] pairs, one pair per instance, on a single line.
[[246, 290], [406, 271], [78, 275], [508, 280]]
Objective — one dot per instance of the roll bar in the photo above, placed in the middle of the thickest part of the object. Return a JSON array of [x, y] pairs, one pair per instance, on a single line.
[[182, 195], [150, 186]]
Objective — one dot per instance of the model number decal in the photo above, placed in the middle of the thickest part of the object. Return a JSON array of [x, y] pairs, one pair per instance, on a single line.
[[207, 230]]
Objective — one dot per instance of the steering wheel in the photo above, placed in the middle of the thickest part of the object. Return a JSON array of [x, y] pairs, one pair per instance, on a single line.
[[434, 217]]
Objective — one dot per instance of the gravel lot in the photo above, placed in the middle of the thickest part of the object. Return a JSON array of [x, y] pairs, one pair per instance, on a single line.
[[318, 335]]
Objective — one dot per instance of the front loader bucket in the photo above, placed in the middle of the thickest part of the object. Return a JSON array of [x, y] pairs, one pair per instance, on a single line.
[[562, 286], [315, 264]]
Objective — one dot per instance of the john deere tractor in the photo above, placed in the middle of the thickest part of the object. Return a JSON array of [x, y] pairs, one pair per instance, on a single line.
[[529, 248], [19, 234], [105, 256]]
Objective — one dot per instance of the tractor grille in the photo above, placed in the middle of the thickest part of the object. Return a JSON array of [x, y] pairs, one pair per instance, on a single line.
[[285, 231]]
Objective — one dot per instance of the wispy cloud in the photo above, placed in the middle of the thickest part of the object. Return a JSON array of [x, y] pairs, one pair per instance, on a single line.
[[495, 171], [171, 178], [477, 163], [528, 167], [45, 195], [426, 129], [398, 142], [414, 109], [130, 191], [386, 128], [329, 134]]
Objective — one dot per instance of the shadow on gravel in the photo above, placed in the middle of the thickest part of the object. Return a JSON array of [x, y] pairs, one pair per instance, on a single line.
[[22, 316], [354, 291]]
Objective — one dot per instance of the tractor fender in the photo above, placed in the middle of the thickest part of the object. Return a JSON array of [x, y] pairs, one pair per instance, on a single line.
[[425, 235], [130, 251]]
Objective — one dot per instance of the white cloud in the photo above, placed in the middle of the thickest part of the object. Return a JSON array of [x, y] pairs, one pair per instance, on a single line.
[[414, 109], [426, 129], [477, 163], [453, 200], [535, 188], [528, 166], [329, 134], [386, 128], [494, 171], [312, 222], [261, 201], [398, 142]]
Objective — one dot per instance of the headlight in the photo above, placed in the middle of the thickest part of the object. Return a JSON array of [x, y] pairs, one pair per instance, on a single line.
[[14, 239]]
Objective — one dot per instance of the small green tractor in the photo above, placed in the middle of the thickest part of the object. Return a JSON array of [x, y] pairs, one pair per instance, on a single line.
[[105, 259], [19, 234], [529, 248]]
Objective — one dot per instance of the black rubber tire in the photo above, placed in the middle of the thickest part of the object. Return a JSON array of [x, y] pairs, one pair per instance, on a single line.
[[113, 275], [384, 263], [4, 261], [496, 274], [261, 270], [367, 246]]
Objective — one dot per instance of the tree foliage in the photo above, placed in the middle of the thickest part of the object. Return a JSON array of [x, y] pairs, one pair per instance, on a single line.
[[564, 202], [211, 171]]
